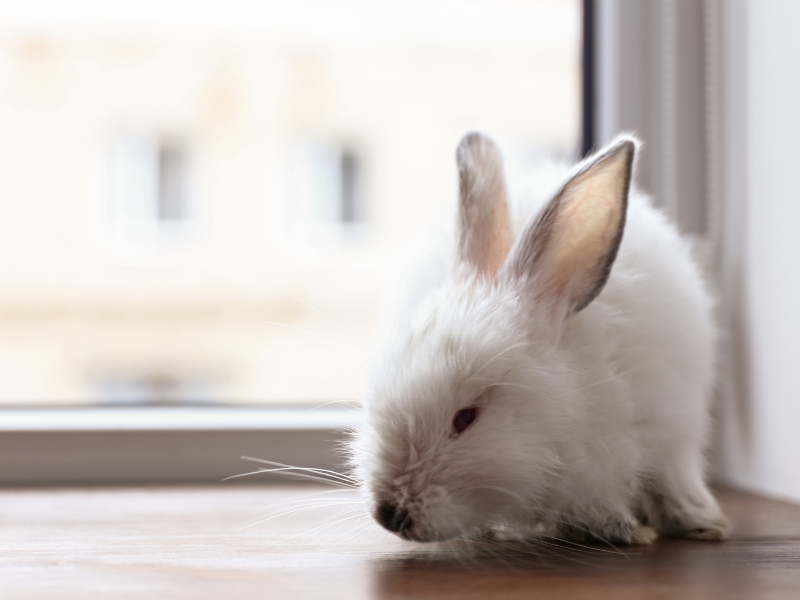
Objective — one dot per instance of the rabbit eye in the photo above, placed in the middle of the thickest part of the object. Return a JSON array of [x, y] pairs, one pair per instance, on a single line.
[[463, 419]]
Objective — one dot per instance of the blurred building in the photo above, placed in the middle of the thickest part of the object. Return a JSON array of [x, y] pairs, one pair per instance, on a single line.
[[193, 211]]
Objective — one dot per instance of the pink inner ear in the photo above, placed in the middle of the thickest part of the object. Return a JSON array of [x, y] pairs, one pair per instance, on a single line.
[[590, 225], [564, 256], [500, 238], [587, 227]]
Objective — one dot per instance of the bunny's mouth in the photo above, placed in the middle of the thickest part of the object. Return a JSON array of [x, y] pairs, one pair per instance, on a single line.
[[412, 537]]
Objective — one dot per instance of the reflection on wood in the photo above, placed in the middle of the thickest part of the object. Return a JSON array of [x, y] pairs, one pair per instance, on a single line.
[[187, 542]]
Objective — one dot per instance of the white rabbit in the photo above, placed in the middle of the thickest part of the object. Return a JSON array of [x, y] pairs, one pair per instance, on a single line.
[[551, 375]]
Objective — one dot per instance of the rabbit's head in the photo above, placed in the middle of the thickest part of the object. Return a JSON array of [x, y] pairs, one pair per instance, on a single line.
[[465, 426]]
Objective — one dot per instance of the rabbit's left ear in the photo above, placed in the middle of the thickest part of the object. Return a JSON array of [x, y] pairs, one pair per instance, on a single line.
[[484, 229], [564, 256]]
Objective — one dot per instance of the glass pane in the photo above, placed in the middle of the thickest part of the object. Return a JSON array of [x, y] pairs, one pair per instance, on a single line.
[[204, 203]]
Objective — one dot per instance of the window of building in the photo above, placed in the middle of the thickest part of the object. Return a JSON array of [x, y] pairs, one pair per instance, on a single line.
[[326, 199], [148, 194]]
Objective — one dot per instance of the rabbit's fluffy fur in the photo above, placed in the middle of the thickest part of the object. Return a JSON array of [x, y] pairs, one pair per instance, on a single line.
[[591, 387]]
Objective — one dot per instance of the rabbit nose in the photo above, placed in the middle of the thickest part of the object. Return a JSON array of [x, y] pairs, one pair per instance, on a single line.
[[393, 518]]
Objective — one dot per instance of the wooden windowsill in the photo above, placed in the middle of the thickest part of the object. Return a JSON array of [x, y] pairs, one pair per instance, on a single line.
[[186, 542]]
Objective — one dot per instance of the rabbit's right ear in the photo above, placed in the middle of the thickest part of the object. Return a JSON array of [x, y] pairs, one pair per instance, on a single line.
[[484, 229], [564, 256]]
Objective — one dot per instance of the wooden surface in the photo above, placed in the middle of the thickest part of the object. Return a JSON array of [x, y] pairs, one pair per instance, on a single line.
[[186, 542]]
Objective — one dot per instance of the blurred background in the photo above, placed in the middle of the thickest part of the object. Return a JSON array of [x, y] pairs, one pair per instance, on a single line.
[[199, 201]]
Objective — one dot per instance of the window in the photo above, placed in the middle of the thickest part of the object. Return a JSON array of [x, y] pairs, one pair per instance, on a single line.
[[326, 199], [256, 172], [148, 194]]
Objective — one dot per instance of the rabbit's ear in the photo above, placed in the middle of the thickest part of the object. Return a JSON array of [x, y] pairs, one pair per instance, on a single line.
[[563, 257], [484, 230]]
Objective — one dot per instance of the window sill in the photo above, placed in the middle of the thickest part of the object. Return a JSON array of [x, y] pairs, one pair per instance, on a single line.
[[176, 419], [164, 445]]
